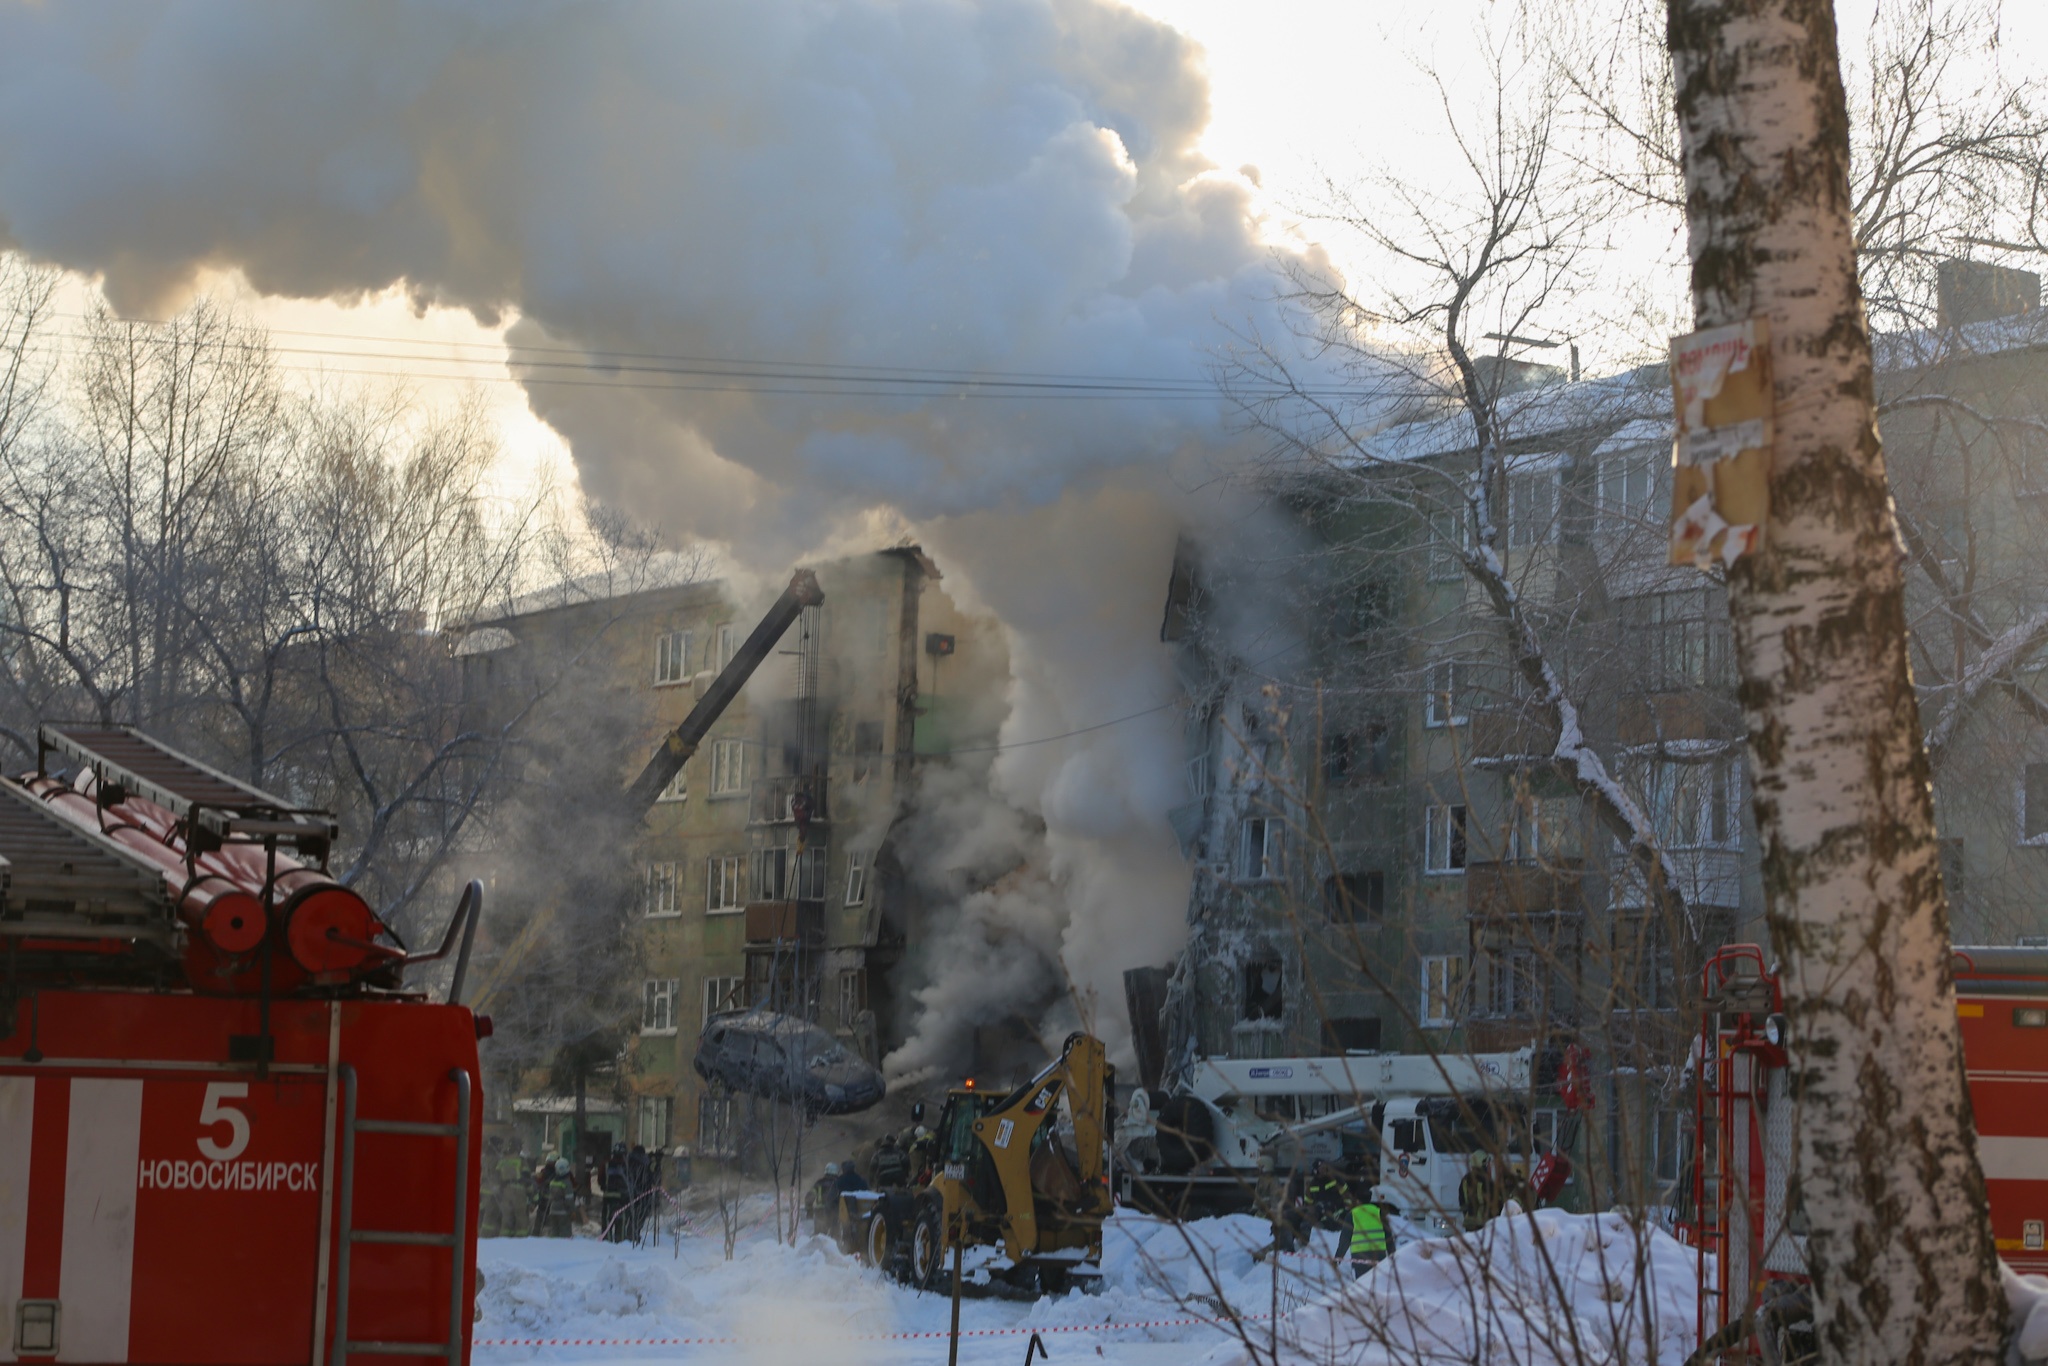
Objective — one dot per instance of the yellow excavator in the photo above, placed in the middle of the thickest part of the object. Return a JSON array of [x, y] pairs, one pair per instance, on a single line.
[[1023, 1175]]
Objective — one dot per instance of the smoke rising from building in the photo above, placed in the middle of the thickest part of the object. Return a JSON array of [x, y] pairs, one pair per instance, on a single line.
[[669, 196]]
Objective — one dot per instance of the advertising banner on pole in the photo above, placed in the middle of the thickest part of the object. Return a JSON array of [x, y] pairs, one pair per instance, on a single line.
[[1721, 456]]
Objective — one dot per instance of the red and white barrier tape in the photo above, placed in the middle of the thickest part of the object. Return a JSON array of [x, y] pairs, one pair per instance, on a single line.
[[866, 1337]]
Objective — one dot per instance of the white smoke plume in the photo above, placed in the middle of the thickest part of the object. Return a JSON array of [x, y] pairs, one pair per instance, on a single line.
[[993, 186]]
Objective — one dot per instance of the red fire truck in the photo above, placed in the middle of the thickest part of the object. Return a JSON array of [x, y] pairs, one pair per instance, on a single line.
[[229, 1132], [1742, 1157]]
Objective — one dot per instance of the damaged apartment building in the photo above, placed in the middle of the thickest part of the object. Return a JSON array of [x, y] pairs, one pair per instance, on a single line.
[[765, 872], [1389, 854]]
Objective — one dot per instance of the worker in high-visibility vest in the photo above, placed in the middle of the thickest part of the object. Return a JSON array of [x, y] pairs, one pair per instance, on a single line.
[[1370, 1241]]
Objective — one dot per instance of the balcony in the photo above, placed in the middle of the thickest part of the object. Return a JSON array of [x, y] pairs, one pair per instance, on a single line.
[[785, 922], [1518, 890], [794, 799], [1509, 733]]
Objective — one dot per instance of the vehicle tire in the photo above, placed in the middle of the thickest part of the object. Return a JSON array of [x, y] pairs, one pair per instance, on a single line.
[[927, 1253], [877, 1245], [1187, 1135]]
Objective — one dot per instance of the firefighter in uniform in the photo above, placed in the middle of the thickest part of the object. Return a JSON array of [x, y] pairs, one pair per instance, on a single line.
[[890, 1165], [559, 1200], [1370, 1241], [1329, 1198], [507, 1216], [1272, 1200]]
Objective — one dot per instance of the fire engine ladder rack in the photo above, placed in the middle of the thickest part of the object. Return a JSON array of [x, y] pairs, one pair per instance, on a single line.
[[450, 1347], [1710, 1188], [196, 793]]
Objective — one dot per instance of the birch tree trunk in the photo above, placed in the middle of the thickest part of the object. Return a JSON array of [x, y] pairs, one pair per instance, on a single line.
[[1903, 1263]]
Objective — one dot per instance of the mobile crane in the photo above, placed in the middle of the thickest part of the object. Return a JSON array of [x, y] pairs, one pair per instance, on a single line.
[[675, 750]]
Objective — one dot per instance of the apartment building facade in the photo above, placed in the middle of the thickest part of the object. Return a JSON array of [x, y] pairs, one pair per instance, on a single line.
[[1388, 859], [765, 872]]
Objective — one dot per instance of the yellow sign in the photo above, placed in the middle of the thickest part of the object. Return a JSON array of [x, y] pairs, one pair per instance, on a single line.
[[1721, 457]]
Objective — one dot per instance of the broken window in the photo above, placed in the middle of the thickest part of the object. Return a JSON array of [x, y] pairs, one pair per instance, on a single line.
[[1351, 1034], [1258, 858], [867, 749], [856, 877], [1355, 898], [1263, 994], [1443, 838]]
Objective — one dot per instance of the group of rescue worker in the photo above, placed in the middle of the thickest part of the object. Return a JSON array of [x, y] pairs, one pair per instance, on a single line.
[[550, 1199], [1325, 1197], [896, 1159]]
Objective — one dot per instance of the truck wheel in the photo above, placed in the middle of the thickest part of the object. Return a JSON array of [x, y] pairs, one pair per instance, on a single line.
[[927, 1248], [876, 1245]]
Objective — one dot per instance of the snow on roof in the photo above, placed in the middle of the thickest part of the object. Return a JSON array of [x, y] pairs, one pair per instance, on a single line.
[[485, 640]]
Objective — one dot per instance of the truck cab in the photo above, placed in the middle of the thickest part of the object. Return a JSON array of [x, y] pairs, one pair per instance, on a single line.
[[1430, 1144]]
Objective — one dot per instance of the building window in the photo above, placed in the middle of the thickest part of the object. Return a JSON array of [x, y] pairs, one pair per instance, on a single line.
[[1545, 828], [1684, 637], [671, 658], [1628, 491], [1512, 986], [1443, 985], [728, 644], [856, 877], [717, 1131], [1264, 990], [723, 885], [1645, 971], [2034, 804], [1444, 699], [728, 767], [1532, 507], [785, 874], [1450, 539], [661, 890], [720, 994], [1351, 1034], [853, 995], [1372, 606], [1668, 1142], [1697, 806], [657, 1121], [1355, 898], [1351, 756], [1258, 849], [658, 1006], [678, 789], [1443, 838]]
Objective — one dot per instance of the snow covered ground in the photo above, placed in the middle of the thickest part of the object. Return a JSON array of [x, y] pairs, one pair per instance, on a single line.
[[1553, 1288]]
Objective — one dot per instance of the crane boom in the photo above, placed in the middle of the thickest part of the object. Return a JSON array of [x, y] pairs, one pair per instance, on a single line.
[[680, 743], [674, 751]]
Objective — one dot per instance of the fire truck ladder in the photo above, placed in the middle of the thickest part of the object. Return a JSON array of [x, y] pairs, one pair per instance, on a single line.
[[1710, 1188], [449, 1347]]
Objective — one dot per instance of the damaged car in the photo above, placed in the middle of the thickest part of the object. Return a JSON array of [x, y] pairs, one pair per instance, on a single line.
[[765, 1053]]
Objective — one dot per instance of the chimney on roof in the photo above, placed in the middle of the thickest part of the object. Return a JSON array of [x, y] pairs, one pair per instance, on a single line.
[[1976, 291]]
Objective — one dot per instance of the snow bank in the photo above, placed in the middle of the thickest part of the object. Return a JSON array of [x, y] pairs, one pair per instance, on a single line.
[[1533, 1289]]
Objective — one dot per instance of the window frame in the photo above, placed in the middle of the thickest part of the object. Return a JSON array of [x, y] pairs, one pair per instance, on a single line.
[[1445, 684], [728, 768], [678, 789], [1453, 842], [1450, 540], [663, 895], [658, 997], [1443, 985], [1522, 534], [1271, 841], [725, 873], [672, 658], [2024, 808], [652, 1106], [856, 893], [715, 991]]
